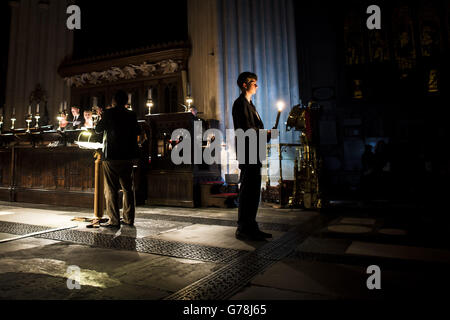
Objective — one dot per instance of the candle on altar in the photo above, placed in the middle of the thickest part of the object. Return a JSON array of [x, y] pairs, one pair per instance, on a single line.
[[149, 95], [14, 111], [37, 108], [29, 109], [61, 107], [129, 98], [280, 106]]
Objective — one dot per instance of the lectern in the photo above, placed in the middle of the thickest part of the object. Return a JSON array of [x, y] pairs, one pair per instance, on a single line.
[[84, 143]]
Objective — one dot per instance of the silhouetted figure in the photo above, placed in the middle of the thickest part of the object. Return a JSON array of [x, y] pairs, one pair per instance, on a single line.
[[246, 117], [120, 130]]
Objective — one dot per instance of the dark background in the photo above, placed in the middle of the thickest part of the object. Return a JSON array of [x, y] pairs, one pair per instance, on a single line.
[[113, 26]]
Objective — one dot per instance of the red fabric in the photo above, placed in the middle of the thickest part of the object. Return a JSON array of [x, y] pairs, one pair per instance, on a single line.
[[222, 195]]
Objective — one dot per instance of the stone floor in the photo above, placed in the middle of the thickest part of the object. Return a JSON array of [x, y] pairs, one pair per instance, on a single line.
[[179, 253]]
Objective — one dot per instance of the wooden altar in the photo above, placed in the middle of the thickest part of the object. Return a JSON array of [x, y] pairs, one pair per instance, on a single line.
[[62, 175]]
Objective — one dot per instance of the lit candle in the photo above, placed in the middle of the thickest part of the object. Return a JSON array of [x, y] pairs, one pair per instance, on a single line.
[[129, 98], [37, 108], [149, 95], [280, 106], [188, 89], [61, 107], [29, 109]]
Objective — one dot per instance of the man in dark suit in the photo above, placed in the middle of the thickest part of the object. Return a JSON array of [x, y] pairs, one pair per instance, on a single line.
[[120, 130], [77, 119], [246, 117]]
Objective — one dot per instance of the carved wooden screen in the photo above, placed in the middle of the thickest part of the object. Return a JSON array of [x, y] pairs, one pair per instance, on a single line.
[[160, 71]]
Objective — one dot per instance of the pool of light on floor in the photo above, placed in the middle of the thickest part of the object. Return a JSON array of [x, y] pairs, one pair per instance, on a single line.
[[4, 213]]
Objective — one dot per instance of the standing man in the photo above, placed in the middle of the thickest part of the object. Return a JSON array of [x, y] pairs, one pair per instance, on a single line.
[[120, 130], [246, 117]]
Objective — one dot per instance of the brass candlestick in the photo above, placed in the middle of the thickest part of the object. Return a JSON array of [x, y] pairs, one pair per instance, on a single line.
[[37, 117], [13, 120], [149, 106], [28, 119]]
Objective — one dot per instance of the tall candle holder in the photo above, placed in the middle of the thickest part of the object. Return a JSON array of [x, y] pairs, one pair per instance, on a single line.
[[149, 106], [280, 106], [189, 102], [37, 117], [28, 120], [13, 120]]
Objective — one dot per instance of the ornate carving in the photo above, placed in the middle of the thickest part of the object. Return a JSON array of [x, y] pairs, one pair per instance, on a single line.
[[128, 72]]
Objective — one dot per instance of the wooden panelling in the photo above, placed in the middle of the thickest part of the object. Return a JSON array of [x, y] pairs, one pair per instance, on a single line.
[[58, 176], [5, 167], [171, 188]]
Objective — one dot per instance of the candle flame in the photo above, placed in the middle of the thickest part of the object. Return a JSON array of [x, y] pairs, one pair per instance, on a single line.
[[280, 105]]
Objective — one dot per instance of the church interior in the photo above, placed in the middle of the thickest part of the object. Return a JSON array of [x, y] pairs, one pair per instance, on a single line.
[[365, 95], [370, 87]]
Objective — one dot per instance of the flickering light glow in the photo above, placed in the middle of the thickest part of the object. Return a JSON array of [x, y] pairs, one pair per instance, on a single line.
[[280, 105]]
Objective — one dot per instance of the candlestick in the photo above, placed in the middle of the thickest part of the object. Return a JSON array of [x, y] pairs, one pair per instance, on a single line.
[[37, 117], [189, 101], [280, 106], [149, 106], [28, 120], [129, 101]]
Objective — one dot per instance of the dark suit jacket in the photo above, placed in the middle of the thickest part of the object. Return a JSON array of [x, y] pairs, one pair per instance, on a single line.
[[120, 130], [75, 125], [246, 117]]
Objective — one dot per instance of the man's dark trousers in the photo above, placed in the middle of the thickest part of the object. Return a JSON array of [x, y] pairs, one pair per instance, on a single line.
[[249, 195], [118, 176]]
